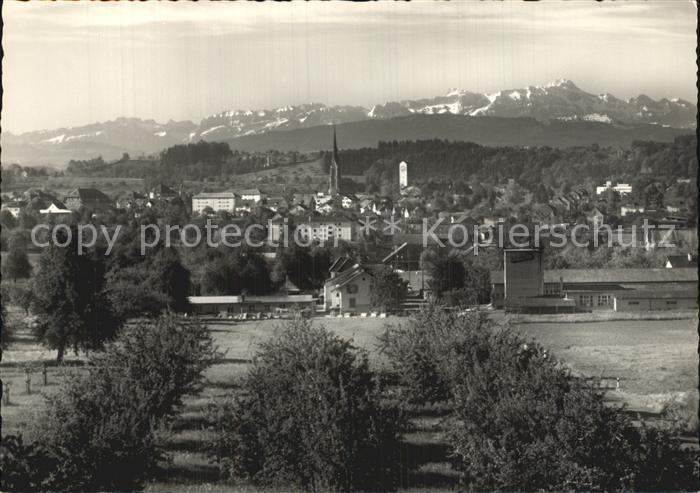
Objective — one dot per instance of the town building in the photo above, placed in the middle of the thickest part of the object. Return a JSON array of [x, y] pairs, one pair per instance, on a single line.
[[308, 200], [349, 289], [56, 208], [89, 198], [14, 207], [315, 229], [162, 192], [621, 188], [216, 201], [252, 194], [244, 304], [276, 203], [132, 200], [626, 210], [595, 217]]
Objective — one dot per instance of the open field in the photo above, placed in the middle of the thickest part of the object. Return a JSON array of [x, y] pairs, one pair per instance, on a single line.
[[656, 360], [649, 356]]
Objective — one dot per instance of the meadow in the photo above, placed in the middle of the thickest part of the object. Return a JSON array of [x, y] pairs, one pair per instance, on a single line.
[[655, 360]]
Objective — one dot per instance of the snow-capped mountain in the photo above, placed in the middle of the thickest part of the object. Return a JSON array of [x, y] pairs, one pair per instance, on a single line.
[[558, 100], [237, 123], [109, 139]]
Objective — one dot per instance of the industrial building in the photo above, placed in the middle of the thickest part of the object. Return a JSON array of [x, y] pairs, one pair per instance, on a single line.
[[524, 286]]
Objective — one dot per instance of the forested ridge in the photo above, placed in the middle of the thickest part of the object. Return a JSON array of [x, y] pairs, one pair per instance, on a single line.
[[529, 166]]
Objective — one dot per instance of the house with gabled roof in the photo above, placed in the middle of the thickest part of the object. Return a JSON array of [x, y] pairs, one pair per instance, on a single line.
[[162, 192], [349, 289], [56, 208], [90, 198]]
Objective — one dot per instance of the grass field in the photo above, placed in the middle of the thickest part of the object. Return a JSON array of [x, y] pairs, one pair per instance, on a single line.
[[654, 359]]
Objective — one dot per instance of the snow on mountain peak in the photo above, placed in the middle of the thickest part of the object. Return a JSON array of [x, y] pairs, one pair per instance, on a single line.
[[565, 83]]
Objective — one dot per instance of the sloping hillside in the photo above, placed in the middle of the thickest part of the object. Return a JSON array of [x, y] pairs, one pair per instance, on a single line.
[[492, 131]]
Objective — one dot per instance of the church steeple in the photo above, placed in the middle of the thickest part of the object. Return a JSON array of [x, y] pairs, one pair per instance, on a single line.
[[334, 172]]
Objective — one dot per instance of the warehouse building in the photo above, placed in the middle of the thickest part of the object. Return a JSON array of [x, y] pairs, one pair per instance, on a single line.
[[593, 289]]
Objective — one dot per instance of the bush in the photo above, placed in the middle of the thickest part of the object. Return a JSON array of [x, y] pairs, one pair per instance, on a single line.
[[520, 421], [424, 351], [25, 467], [102, 427], [309, 416]]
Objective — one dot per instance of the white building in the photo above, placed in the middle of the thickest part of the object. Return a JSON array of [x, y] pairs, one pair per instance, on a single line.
[[14, 210], [403, 174], [631, 209], [251, 194], [217, 201], [621, 188], [56, 208], [323, 229]]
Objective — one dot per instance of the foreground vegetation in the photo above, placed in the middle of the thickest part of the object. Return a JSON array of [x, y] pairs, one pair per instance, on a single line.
[[521, 415]]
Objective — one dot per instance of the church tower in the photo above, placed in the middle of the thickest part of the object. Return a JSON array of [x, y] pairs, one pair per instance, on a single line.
[[334, 172]]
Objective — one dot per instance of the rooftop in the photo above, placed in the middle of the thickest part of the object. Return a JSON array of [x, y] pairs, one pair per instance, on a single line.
[[230, 300], [572, 276], [213, 195]]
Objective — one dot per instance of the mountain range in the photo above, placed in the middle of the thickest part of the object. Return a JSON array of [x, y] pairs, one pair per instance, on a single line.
[[551, 114]]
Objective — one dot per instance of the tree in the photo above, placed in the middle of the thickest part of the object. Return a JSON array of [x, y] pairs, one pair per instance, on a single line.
[[232, 274], [131, 294], [167, 275], [69, 301], [100, 431], [5, 328], [306, 267], [7, 220], [388, 290], [519, 420], [446, 272], [309, 417], [523, 422], [16, 264], [22, 296]]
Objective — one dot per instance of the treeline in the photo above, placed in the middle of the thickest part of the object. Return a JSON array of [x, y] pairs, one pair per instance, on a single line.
[[529, 166]]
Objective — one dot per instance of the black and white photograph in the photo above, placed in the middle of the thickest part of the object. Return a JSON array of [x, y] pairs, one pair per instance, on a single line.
[[420, 246]]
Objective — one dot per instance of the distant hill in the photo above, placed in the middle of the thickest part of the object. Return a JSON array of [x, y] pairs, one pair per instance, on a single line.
[[484, 130]]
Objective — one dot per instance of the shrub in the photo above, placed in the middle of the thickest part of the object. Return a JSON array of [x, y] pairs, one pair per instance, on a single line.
[[388, 290], [309, 416], [522, 422], [25, 467], [423, 352], [101, 428], [519, 421]]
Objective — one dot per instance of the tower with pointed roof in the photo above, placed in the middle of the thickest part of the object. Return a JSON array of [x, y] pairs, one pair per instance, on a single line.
[[334, 172]]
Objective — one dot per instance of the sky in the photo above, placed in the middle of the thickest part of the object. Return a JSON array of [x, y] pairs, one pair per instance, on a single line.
[[72, 63]]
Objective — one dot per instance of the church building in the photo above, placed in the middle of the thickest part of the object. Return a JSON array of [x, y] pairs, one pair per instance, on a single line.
[[334, 172]]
